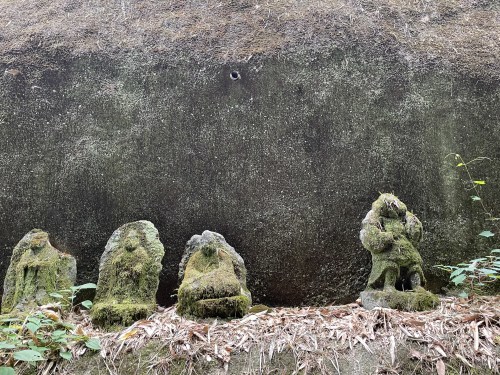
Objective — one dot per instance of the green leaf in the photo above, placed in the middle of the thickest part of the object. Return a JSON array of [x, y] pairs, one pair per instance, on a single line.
[[93, 344], [35, 320], [487, 271], [463, 295], [472, 267], [56, 295], [84, 286], [9, 330], [475, 198], [460, 164], [33, 327], [486, 233], [87, 304], [480, 182], [7, 371], [58, 333], [457, 272], [66, 355], [28, 356], [6, 345], [10, 320], [458, 279], [68, 326], [39, 349]]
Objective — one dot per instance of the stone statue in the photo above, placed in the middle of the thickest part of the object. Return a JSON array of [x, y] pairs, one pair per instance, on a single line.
[[213, 278], [129, 273], [36, 269], [391, 233]]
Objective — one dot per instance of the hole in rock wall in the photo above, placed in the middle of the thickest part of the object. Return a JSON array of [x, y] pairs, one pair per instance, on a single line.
[[235, 75]]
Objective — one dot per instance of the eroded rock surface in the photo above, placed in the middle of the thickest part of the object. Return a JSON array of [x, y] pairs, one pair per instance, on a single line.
[[36, 269], [213, 278], [391, 233], [128, 275]]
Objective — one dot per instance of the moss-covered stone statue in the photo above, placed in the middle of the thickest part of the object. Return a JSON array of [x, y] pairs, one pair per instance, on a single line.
[[36, 270], [391, 233], [213, 278], [129, 273]]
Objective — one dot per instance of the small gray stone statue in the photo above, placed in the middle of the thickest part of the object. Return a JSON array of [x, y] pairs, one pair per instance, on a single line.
[[213, 279], [391, 233], [36, 269], [129, 273]]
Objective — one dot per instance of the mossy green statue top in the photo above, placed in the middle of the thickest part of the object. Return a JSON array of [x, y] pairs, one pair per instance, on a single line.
[[391, 233]]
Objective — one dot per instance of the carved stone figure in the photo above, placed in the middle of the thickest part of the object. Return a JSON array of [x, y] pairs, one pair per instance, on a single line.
[[129, 273], [213, 278], [391, 233], [36, 269]]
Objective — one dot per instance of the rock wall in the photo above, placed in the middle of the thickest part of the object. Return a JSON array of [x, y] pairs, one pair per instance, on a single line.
[[283, 162]]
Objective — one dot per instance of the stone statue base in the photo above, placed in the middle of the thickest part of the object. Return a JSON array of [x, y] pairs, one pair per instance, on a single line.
[[120, 314], [226, 307], [419, 300], [213, 278]]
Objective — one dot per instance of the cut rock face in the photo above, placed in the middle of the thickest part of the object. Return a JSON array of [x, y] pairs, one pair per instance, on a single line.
[[128, 275], [36, 270], [391, 233], [213, 278]]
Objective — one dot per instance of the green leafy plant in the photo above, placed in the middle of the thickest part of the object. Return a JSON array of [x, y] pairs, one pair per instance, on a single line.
[[43, 334], [481, 271], [67, 296], [476, 273]]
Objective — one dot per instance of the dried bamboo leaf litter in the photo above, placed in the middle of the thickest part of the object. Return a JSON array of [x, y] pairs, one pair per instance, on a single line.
[[467, 332]]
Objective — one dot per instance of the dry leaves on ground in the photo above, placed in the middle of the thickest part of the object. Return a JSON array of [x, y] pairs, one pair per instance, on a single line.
[[318, 336]]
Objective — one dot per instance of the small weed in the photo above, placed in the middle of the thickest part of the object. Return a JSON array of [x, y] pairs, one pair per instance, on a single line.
[[481, 271], [67, 297], [43, 335]]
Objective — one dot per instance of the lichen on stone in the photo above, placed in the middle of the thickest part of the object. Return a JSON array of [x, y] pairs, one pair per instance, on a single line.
[[391, 233], [128, 275], [36, 270], [213, 279]]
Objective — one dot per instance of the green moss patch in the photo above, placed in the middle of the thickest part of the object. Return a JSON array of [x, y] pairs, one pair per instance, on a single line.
[[407, 301], [121, 314]]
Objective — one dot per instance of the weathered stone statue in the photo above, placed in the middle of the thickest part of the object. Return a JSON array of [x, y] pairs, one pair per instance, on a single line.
[[36, 269], [213, 278], [129, 273], [391, 233]]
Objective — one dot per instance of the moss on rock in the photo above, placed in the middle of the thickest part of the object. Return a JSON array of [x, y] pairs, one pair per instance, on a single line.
[[36, 269], [128, 275], [213, 279], [419, 300], [259, 308]]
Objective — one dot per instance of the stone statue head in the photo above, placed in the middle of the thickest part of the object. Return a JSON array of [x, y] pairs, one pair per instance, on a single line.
[[209, 249], [132, 241], [39, 241], [391, 206]]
